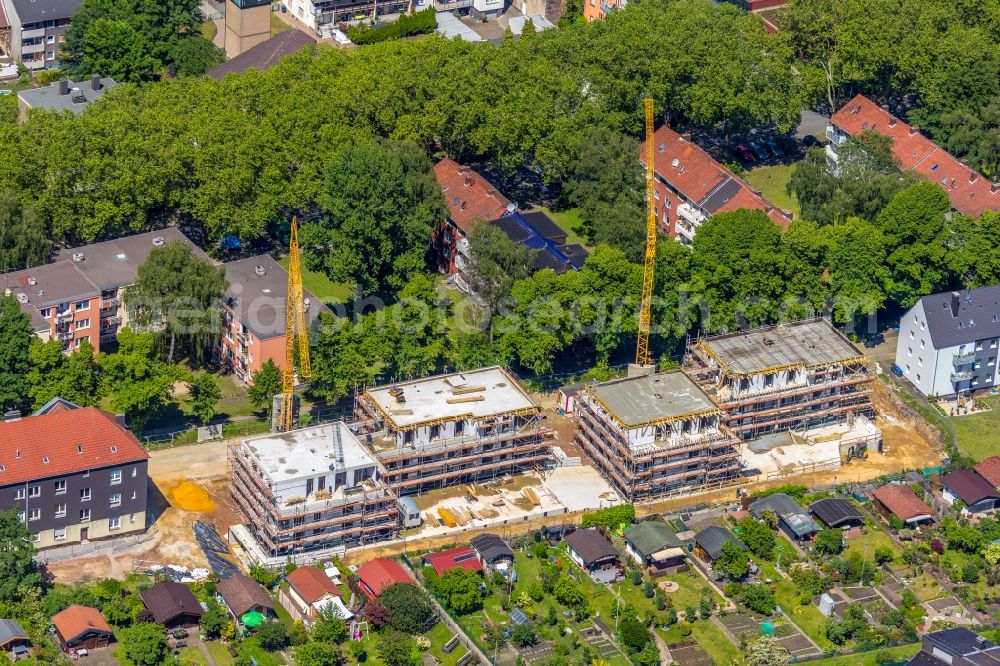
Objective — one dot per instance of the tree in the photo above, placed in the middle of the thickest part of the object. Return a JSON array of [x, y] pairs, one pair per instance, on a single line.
[[317, 654], [266, 385], [858, 274], [458, 588], [766, 652], [18, 571], [178, 295], [23, 237], [883, 554], [733, 561], [497, 262], [992, 554], [633, 633], [759, 599], [829, 541], [397, 649], [524, 635], [329, 627], [758, 537], [205, 393], [272, 636], [610, 518], [568, 592], [15, 360], [143, 644], [137, 380], [74, 377], [194, 55], [649, 655], [214, 620], [408, 607]]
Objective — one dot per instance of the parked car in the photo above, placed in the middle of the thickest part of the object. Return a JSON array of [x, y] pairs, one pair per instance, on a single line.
[[809, 141], [775, 149], [759, 151], [743, 154]]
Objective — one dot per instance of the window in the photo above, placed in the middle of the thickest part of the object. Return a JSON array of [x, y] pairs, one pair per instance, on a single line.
[[133, 494], [51, 55], [84, 494], [114, 523], [115, 499], [84, 515], [45, 314], [979, 346], [116, 477], [81, 305], [86, 473], [35, 514], [82, 324], [921, 344], [61, 487], [78, 342], [920, 362], [20, 516], [135, 470], [918, 376], [51, 39], [59, 534], [911, 334], [19, 493], [35, 491], [61, 510], [991, 361]]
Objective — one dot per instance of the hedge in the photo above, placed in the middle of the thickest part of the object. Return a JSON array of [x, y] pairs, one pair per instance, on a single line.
[[419, 23]]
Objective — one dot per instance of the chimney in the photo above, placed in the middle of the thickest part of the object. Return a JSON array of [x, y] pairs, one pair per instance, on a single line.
[[914, 129], [686, 136], [956, 299], [994, 187], [892, 121], [63, 87], [469, 181], [973, 176], [95, 81], [12, 415]]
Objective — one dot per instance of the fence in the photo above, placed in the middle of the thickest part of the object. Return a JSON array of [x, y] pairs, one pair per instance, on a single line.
[[109, 547]]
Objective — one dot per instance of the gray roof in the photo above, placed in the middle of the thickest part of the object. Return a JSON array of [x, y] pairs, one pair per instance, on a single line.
[[32, 11], [80, 94], [835, 511], [10, 630], [955, 318], [712, 538], [449, 27], [962, 641], [115, 263], [636, 401], [788, 511], [491, 547], [809, 343], [265, 55], [720, 195], [591, 545], [48, 285], [651, 536], [258, 288], [517, 23]]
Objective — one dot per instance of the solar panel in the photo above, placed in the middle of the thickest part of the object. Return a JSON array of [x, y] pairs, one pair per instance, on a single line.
[[518, 616]]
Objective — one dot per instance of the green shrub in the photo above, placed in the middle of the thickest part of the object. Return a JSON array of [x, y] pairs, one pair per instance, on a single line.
[[609, 518], [420, 23], [685, 628]]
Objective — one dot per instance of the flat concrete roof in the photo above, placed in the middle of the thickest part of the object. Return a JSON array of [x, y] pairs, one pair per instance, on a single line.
[[49, 284], [664, 396], [475, 394], [809, 343], [49, 97], [307, 452], [450, 27]]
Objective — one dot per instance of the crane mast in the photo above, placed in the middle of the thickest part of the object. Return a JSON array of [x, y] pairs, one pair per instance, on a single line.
[[642, 355], [295, 326]]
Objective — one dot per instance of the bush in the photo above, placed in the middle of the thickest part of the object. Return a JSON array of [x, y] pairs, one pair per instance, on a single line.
[[896, 523], [408, 608], [609, 518], [684, 628], [637, 578], [633, 633], [758, 598], [523, 635], [661, 603], [272, 636], [794, 490], [829, 541], [649, 590], [420, 23], [883, 554]]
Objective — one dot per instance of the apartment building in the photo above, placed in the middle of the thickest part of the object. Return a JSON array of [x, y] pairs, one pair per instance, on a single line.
[[948, 342], [690, 187], [453, 429], [798, 376], [598, 10], [320, 14], [74, 475], [63, 95], [38, 30], [969, 192], [310, 490], [955, 647], [254, 309], [656, 434]]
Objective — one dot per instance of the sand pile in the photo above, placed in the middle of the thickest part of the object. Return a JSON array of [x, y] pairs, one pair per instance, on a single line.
[[189, 496]]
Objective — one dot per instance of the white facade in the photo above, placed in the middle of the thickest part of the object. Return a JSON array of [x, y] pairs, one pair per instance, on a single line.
[[305, 11]]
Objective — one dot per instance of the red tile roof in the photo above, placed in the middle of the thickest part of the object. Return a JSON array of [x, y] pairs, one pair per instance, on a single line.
[[77, 620], [989, 469], [696, 176], [311, 584], [63, 442], [470, 196], [446, 560], [379, 575], [969, 192], [902, 501]]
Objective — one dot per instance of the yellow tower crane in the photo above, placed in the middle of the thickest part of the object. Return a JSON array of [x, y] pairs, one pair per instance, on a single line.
[[642, 355], [295, 326]]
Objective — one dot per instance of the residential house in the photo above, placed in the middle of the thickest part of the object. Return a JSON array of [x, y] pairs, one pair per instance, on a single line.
[[378, 575], [494, 553], [948, 342], [74, 476], [172, 604], [836, 512], [708, 542], [690, 187], [13, 640], [595, 554], [243, 595], [63, 95], [792, 519], [976, 493], [321, 15], [598, 10], [460, 557], [989, 469], [900, 501], [955, 647], [309, 591], [969, 192], [38, 30], [556, 533], [254, 311], [81, 627], [265, 55], [654, 546]]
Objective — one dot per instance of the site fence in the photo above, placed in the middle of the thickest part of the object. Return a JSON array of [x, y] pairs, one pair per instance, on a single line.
[[108, 547]]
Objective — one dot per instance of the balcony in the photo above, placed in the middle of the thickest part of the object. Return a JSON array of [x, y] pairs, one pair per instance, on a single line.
[[460, 262], [34, 33], [693, 216], [32, 48], [963, 376], [463, 245], [452, 5], [65, 315], [835, 136], [963, 359], [108, 303]]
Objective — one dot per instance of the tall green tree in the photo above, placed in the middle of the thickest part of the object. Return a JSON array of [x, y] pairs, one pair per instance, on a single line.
[[317, 654], [266, 385], [143, 644], [18, 571], [178, 295], [497, 262], [858, 274], [24, 240], [74, 377], [15, 360], [205, 394], [138, 381]]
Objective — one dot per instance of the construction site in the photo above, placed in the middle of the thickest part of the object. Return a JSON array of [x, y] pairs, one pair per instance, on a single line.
[[454, 429]]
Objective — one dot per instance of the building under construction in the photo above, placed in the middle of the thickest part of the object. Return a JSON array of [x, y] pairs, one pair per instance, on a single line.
[[656, 434], [787, 377], [451, 429], [311, 489]]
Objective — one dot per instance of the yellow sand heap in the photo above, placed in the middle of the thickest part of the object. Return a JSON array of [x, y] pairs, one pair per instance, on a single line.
[[189, 496]]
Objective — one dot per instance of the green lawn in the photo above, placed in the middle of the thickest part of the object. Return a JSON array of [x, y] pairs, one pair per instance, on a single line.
[[927, 588], [277, 25], [979, 434], [570, 222], [219, 653], [689, 593], [900, 652], [318, 283], [771, 181], [191, 656], [709, 637], [867, 543], [439, 635], [209, 30], [807, 617]]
